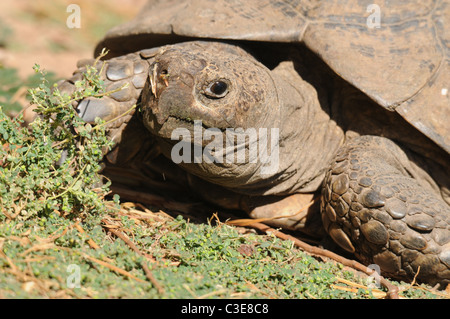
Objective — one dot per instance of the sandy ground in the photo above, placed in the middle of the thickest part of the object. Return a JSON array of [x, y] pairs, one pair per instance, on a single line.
[[37, 32]]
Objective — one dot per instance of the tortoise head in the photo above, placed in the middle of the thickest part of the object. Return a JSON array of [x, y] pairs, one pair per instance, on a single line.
[[217, 83], [210, 93]]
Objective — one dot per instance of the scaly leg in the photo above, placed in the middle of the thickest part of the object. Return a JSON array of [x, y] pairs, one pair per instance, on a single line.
[[373, 206]]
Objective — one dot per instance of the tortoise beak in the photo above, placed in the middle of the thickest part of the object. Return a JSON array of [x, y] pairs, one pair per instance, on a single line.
[[164, 96]]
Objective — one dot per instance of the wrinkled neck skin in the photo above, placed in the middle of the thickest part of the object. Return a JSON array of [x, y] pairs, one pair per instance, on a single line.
[[309, 140]]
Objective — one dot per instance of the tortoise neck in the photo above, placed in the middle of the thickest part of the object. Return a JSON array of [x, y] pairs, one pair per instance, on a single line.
[[310, 138]]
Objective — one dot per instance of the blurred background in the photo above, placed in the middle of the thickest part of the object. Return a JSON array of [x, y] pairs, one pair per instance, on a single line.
[[35, 32]]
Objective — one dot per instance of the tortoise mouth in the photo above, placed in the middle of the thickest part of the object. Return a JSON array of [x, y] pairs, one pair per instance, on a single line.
[[189, 123], [176, 128], [175, 108]]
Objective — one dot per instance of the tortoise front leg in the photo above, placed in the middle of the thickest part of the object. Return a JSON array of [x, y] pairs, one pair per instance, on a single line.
[[373, 206], [124, 79]]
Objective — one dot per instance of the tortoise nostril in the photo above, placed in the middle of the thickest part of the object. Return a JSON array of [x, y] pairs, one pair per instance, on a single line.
[[164, 75]]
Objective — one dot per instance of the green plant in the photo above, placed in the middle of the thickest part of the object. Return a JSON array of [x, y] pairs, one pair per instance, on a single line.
[[51, 165]]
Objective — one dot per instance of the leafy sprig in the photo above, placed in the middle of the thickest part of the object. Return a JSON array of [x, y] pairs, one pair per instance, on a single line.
[[52, 164]]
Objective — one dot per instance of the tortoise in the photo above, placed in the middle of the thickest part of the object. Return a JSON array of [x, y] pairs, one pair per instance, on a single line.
[[338, 107]]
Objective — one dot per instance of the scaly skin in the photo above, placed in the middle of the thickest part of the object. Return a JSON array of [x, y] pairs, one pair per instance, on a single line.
[[373, 207]]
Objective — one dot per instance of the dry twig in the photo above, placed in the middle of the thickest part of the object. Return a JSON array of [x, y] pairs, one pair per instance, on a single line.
[[127, 241], [113, 268]]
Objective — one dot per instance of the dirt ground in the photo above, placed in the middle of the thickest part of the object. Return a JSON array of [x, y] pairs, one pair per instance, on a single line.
[[37, 32]]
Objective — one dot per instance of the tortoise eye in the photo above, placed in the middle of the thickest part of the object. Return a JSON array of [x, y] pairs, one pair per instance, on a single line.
[[217, 89]]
